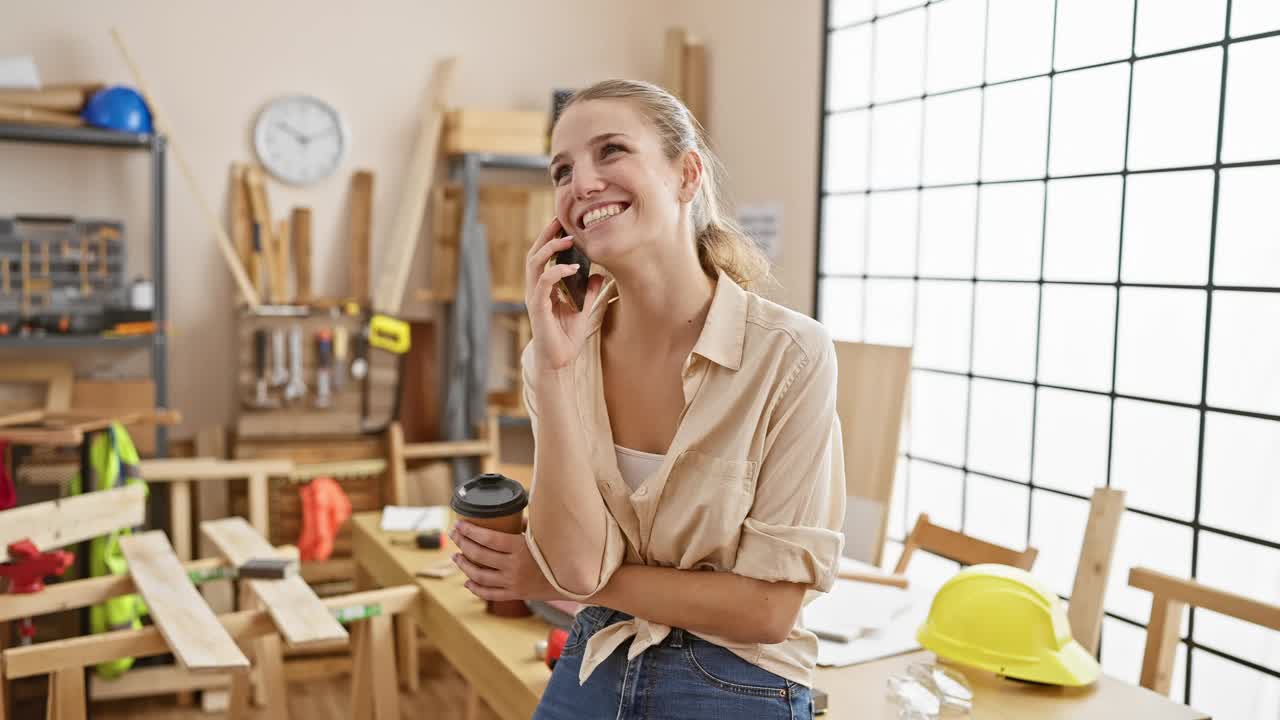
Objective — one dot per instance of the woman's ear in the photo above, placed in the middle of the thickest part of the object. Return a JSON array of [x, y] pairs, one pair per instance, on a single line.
[[690, 175]]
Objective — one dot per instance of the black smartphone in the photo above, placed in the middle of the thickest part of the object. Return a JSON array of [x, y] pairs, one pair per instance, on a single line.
[[575, 285]]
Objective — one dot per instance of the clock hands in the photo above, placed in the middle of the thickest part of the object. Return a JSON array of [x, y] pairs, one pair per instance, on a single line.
[[296, 135]]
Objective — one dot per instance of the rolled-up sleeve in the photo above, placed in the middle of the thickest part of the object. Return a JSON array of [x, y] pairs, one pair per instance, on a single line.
[[793, 531], [614, 544]]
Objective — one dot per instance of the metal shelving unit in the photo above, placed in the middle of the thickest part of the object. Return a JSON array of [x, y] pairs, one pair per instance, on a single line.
[[466, 330], [157, 343]]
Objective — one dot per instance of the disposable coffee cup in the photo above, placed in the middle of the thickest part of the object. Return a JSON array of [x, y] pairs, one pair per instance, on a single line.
[[495, 502]]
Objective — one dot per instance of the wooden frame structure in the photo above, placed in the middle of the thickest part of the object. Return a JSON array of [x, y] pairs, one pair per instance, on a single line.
[[959, 547], [209, 648], [1169, 597], [67, 428]]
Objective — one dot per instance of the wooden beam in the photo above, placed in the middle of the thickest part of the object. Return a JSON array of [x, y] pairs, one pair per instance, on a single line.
[[47, 657], [1202, 596], [92, 591], [22, 418], [695, 83], [159, 680], [295, 608], [67, 521], [449, 449], [360, 232], [162, 470], [1162, 642], [187, 623], [673, 61], [58, 438], [407, 224], [1094, 567], [66, 693]]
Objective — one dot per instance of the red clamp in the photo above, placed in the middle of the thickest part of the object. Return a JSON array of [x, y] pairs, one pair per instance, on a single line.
[[28, 567]]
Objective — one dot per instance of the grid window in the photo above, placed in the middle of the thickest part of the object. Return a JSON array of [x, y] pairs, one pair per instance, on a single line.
[[1092, 31], [948, 225], [1090, 108], [1174, 119], [1167, 218], [1082, 229], [1067, 209]]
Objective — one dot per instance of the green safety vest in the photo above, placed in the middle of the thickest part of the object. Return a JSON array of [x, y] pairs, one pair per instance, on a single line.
[[113, 462]]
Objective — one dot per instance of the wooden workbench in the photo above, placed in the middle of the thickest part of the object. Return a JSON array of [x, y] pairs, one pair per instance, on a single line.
[[495, 655], [864, 687]]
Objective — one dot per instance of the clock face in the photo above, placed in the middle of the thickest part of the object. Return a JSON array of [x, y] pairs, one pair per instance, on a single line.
[[300, 139]]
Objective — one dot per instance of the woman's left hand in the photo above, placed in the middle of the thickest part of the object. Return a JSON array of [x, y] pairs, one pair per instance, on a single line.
[[498, 565]]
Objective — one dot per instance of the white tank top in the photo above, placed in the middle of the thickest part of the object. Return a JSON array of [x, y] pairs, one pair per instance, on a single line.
[[636, 466]]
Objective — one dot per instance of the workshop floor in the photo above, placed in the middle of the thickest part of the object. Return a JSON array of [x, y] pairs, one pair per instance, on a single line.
[[442, 690]]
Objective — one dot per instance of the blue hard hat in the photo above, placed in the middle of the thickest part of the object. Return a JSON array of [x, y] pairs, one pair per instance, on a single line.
[[118, 108]]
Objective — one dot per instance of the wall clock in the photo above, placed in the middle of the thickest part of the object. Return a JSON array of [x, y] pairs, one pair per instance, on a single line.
[[300, 139]]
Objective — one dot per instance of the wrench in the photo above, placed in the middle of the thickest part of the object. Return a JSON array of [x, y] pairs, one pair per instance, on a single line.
[[296, 388], [279, 376], [324, 369]]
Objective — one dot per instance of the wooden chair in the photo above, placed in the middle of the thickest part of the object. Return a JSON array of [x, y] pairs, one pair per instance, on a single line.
[[959, 547], [1169, 596], [1094, 567], [870, 401]]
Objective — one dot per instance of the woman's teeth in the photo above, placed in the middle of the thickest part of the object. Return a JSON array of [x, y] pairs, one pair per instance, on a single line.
[[601, 213]]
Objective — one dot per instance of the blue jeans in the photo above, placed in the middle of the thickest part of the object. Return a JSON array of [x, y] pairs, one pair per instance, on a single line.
[[684, 677]]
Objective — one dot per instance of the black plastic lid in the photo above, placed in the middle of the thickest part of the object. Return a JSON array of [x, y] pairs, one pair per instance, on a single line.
[[488, 496]]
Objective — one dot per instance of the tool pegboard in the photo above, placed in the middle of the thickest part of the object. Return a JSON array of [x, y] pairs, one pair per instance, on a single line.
[[300, 409], [61, 267]]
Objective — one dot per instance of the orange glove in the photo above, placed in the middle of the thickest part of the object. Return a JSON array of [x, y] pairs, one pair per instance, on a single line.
[[325, 508]]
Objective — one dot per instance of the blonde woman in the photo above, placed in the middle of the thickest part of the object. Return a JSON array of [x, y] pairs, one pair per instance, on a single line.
[[688, 481]]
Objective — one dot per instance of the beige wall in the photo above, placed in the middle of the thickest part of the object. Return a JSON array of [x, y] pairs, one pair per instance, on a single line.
[[211, 66]]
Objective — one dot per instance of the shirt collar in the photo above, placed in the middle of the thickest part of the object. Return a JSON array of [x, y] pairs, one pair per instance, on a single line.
[[722, 333]]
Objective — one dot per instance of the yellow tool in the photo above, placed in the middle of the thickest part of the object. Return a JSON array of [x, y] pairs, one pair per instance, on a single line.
[[1001, 619], [388, 333]]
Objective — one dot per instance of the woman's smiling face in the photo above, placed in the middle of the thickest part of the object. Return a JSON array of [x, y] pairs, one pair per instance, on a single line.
[[615, 188]]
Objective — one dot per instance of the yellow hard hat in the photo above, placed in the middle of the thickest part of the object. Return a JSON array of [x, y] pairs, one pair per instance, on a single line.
[[1001, 619]]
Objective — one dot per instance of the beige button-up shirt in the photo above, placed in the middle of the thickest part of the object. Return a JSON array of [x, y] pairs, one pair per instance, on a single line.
[[753, 482]]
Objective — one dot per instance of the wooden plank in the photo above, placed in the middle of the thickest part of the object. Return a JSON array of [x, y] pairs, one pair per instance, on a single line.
[[300, 223], [280, 282], [47, 657], [361, 674], [959, 547], [695, 82], [313, 669], [66, 521], [1162, 642], [68, 688], [158, 680], [187, 623], [449, 449], [57, 597], [259, 516], [205, 468], [407, 646], [56, 438], [1093, 569], [212, 502], [386, 698], [395, 455], [297, 611], [870, 399], [360, 232], [22, 418], [673, 61], [180, 518], [1203, 596], [241, 220], [407, 224]]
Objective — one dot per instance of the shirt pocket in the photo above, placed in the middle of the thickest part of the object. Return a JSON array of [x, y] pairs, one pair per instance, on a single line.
[[704, 503]]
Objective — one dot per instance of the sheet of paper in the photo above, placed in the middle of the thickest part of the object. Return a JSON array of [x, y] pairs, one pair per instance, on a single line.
[[853, 608], [894, 638], [406, 518]]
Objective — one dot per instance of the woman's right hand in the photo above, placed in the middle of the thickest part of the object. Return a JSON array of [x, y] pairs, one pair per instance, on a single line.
[[558, 328]]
